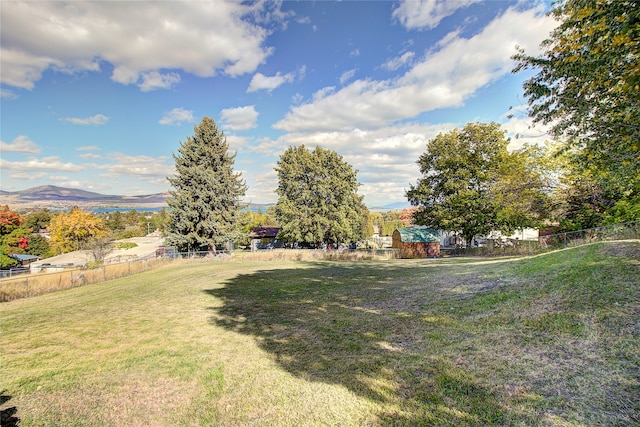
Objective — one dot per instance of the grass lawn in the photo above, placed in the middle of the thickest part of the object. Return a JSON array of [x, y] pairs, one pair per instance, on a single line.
[[547, 340]]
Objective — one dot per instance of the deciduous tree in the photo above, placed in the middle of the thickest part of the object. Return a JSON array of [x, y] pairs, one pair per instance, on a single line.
[[587, 85], [39, 220], [70, 231], [471, 185], [318, 200], [206, 196], [13, 236]]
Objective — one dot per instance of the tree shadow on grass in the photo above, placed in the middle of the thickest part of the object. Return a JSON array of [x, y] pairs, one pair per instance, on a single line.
[[362, 326], [8, 416]]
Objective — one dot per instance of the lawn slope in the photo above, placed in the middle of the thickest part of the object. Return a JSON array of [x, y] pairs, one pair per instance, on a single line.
[[547, 340]]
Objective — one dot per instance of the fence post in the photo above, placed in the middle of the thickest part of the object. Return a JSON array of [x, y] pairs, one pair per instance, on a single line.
[[564, 245]]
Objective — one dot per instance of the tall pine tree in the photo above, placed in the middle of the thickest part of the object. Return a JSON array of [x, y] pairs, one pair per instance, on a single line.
[[206, 196]]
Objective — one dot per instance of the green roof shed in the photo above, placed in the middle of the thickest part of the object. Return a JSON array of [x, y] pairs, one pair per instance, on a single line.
[[416, 242]]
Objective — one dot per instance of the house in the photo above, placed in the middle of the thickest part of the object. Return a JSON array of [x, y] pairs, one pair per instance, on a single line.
[[264, 238], [416, 242]]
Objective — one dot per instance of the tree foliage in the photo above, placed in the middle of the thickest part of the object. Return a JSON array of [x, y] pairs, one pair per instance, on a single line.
[[587, 197], [587, 85], [17, 237], [38, 220], [251, 219], [471, 185], [71, 231], [13, 236], [318, 199], [38, 246], [206, 196], [9, 220]]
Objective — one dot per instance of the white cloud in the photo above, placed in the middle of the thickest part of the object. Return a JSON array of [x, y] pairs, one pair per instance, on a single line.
[[7, 94], [268, 147], [297, 98], [418, 14], [145, 168], [21, 144], [88, 148], [27, 176], [444, 78], [44, 164], [98, 119], [236, 142], [240, 118], [138, 38], [262, 185], [521, 130], [177, 116], [385, 157], [90, 156], [262, 82], [347, 75], [397, 62], [155, 80]]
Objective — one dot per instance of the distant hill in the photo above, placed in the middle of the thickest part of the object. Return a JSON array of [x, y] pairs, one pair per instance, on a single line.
[[397, 206], [54, 197], [51, 196]]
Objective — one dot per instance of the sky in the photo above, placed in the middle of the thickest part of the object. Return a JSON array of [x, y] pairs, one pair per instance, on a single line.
[[99, 95]]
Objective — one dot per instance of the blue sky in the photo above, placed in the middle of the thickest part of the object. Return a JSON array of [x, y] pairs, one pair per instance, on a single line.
[[98, 95]]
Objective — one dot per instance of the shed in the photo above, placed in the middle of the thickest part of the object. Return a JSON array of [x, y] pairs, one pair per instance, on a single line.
[[264, 237], [24, 259], [416, 242]]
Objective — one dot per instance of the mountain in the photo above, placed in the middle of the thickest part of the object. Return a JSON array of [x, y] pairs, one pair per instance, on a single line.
[[397, 206], [51, 196]]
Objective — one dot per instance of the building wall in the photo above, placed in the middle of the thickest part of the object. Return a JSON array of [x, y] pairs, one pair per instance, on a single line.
[[420, 250]]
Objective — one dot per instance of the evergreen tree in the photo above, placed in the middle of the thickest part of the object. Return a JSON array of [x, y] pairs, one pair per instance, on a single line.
[[318, 200], [205, 200]]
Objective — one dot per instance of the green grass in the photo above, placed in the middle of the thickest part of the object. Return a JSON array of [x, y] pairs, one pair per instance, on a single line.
[[546, 340]]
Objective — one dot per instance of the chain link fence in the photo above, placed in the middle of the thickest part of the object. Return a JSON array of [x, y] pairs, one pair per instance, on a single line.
[[27, 285], [551, 242]]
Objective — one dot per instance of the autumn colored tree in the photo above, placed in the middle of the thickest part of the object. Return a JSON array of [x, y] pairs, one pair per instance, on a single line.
[[71, 231], [406, 216], [587, 85], [9, 220], [13, 236]]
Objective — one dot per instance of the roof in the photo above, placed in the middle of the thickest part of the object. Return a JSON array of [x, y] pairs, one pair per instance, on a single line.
[[23, 257], [418, 235], [262, 232]]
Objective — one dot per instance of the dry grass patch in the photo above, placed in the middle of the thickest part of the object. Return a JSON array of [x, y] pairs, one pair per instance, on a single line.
[[28, 285], [548, 340]]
